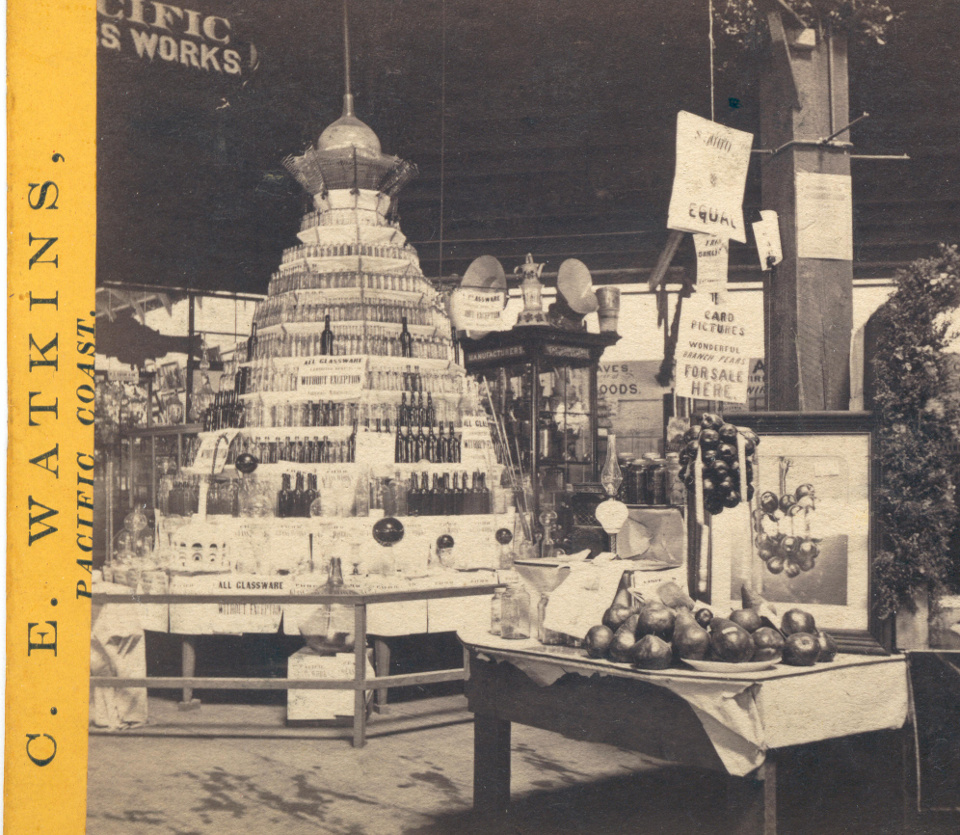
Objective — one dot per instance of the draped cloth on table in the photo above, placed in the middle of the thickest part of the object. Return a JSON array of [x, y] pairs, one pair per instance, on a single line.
[[746, 714], [117, 649]]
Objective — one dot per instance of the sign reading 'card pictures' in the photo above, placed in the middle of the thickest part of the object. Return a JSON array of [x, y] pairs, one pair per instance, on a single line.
[[711, 174], [713, 351]]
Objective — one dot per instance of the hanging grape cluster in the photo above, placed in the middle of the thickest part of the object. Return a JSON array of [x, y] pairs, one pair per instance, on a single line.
[[716, 444]]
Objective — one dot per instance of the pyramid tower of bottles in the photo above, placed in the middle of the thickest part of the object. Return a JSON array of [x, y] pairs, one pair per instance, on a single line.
[[351, 357]]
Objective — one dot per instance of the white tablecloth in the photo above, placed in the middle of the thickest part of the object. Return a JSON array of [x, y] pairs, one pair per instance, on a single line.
[[744, 714]]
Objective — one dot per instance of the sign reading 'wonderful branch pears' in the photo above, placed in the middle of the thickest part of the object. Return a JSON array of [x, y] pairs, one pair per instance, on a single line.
[[711, 174], [714, 350]]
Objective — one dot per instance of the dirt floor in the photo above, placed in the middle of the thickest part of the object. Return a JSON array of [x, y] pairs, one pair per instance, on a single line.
[[234, 768]]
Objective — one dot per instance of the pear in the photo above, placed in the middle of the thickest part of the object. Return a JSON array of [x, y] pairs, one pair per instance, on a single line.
[[690, 640], [684, 618], [673, 596], [616, 615], [622, 643]]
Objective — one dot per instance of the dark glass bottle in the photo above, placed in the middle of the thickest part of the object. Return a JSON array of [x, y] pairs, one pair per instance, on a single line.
[[252, 343], [430, 446], [454, 446], [406, 340], [457, 495], [297, 500], [398, 448], [484, 501], [443, 447], [310, 494], [414, 496], [435, 498], [326, 338], [284, 497], [430, 413], [402, 410], [408, 450]]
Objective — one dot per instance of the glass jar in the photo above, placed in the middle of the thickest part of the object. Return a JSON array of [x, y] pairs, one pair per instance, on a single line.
[[676, 490], [496, 612], [547, 637], [515, 619]]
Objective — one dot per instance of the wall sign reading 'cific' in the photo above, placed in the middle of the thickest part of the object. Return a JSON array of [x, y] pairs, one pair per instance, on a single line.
[[161, 31]]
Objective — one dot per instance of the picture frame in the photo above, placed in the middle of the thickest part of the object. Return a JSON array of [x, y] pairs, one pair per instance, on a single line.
[[815, 551]]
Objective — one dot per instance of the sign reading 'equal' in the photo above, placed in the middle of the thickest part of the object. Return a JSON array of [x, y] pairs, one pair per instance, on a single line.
[[711, 175]]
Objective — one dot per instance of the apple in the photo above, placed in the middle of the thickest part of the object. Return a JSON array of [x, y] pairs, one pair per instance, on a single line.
[[789, 545], [732, 499], [790, 568], [797, 620], [786, 502], [728, 433]]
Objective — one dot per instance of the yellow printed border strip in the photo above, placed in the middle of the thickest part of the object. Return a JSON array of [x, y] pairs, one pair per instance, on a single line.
[[51, 198]]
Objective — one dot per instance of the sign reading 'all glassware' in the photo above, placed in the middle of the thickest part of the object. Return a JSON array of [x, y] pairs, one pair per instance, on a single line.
[[333, 378], [713, 351], [711, 174]]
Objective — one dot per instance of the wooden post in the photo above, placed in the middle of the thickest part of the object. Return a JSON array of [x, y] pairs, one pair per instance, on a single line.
[[808, 302]]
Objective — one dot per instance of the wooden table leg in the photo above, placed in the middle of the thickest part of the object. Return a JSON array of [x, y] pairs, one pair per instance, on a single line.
[[491, 764], [381, 660], [360, 675], [188, 668], [770, 794]]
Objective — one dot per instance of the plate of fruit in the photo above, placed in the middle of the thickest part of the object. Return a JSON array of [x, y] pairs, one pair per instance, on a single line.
[[732, 666]]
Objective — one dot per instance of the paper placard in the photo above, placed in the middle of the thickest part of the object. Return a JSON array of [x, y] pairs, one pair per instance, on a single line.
[[332, 378], [713, 351], [712, 258], [766, 231], [476, 309], [580, 600], [711, 174], [824, 216], [231, 616], [213, 452]]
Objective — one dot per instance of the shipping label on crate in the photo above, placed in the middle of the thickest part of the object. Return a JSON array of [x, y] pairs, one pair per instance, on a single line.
[[332, 378]]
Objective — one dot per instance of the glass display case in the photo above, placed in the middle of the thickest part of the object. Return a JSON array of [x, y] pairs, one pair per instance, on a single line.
[[152, 455], [542, 385]]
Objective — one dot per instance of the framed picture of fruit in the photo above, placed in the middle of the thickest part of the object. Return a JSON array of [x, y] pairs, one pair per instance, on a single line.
[[806, 537]]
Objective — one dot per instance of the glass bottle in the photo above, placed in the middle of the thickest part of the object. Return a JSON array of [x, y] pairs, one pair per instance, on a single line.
[[406, 340], [309, 495], [515, 623], [252, 343], [326, 338], [610, 476], [496, 612], [547, 637], [676, 490], [284, 497]]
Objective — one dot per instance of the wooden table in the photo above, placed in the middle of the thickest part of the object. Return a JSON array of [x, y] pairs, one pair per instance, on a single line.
[[597, 701], [359, 683]]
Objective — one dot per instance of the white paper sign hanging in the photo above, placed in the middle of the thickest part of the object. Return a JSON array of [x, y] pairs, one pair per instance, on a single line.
[[712, 259], [766, 231], [712, 162], [332, 378], [713, 351], [824, 216], [476, 309]]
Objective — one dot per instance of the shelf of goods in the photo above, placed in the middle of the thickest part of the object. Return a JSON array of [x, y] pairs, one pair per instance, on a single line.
[[348, 406]]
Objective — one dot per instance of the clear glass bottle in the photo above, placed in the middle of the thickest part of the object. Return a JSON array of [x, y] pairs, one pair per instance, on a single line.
[[515, 623], [610, 476], [547, 637], [496, 612]]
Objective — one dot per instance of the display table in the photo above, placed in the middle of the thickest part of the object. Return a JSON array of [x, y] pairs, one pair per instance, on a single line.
[[436, 589], [738, 725]]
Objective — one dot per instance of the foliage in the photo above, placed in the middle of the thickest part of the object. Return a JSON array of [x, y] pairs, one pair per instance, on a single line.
[[864, 20], [918, 423]]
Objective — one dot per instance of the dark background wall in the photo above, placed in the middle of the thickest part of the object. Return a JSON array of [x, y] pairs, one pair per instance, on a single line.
[[557, 136]]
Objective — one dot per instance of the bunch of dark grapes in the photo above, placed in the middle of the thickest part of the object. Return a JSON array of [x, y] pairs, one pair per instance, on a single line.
[[715, 443]]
